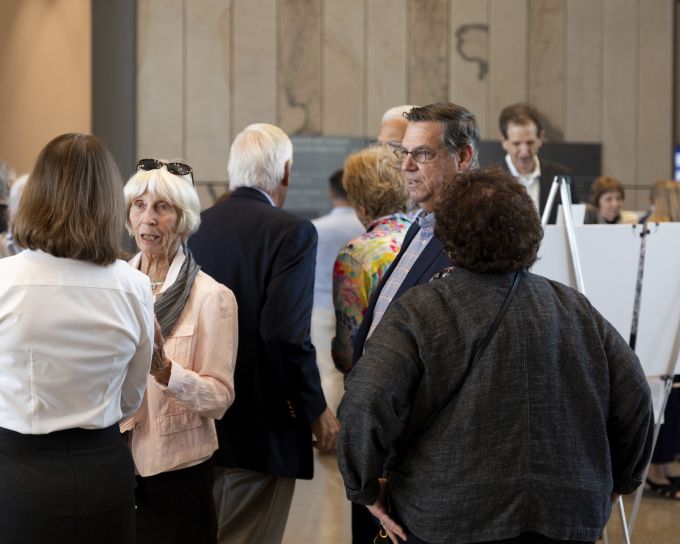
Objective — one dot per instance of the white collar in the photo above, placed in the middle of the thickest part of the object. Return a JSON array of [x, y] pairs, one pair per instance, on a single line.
[[265, 193], [511, 166]]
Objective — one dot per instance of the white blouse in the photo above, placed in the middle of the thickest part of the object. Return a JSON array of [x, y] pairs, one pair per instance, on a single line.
[[75, 342]]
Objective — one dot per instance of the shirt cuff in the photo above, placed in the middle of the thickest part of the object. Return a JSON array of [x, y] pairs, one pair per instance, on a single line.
[[177, 383]]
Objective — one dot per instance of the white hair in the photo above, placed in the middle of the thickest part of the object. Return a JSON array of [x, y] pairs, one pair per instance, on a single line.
[[396, 112], [177, 190], [258, 157], [15, 194]]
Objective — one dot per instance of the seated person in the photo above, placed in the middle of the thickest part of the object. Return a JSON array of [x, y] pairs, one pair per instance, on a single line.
[[606, 204]]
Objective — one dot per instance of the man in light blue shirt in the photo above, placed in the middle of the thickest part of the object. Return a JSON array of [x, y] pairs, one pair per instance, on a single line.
[[335, 229]]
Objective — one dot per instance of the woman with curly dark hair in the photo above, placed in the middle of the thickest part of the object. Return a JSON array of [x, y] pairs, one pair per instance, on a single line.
[[503, 406]]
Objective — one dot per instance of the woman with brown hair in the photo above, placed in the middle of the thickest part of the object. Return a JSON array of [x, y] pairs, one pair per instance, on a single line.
[[76, 330], [606, 203]]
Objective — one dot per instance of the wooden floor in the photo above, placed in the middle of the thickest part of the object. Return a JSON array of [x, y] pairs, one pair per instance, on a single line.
[[320, 513]]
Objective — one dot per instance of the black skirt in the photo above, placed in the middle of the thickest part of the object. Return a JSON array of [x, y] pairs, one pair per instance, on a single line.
[[73, 486]]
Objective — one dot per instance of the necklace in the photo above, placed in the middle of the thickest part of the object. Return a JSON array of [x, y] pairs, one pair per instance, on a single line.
[[155, 284]]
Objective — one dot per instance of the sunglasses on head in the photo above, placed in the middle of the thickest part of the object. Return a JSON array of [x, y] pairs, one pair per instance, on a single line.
[[177, 168]]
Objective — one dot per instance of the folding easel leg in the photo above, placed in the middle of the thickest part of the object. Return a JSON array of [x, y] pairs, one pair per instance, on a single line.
[[624, 524]]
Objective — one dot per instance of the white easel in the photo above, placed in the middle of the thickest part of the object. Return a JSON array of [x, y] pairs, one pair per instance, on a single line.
[[562, 183]]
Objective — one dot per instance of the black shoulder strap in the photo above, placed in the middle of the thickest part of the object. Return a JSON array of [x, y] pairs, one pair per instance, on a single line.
[[478, 356]]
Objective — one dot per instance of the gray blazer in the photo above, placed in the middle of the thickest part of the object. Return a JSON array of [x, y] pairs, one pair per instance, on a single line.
[[556, 415]]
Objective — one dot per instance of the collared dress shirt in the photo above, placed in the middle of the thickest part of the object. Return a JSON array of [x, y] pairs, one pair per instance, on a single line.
[[76, 341], [426, 223], [532, 181]]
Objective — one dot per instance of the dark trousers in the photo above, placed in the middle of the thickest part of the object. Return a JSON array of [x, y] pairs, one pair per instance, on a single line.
[[524, 538], [364, 525], [74, 486], [177, 507]]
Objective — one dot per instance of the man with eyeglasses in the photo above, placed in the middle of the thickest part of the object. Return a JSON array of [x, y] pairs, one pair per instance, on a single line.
[[441, 140]]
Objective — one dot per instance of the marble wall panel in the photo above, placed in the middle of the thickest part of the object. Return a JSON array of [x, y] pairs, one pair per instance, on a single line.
[[386, 69], [254, 58], [620, 89], [160, 78], [469, 60], [208, 96], [343, 103], [547, 63], [583, 75], [655, 83], [428, 51], [299, 74], [508, 54]]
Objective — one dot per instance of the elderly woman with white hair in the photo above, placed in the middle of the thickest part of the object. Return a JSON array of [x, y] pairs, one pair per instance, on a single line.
[[191, 379]]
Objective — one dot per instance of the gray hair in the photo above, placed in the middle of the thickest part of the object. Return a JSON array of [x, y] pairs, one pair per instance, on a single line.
[[459, 126], [397, 112], [177, 190], [258, 157]]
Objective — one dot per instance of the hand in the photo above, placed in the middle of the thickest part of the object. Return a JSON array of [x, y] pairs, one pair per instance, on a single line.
[[392, 528], [160, 365], [325, 429]]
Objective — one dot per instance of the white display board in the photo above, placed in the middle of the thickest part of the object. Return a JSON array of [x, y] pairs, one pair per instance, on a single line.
[[609, 256]]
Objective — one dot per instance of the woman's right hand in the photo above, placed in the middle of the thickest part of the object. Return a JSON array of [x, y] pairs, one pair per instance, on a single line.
[[160, 365]]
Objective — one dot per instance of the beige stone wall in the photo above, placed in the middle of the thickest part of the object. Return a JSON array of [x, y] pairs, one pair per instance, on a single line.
[[600, 70], [45, 75]]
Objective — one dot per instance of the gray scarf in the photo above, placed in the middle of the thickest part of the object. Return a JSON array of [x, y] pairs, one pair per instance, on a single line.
[[170, 303]]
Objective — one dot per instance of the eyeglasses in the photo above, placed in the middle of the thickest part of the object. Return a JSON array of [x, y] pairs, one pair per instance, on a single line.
[[421, 156], [177, 168]]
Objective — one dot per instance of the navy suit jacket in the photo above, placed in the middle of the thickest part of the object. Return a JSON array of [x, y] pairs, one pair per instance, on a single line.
[[266, 256], [433, 259]]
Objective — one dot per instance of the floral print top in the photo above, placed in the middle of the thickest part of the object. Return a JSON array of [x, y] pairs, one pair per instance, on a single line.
[[358, 269]]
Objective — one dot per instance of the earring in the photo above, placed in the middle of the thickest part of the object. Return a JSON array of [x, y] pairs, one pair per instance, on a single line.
[[131, 235]]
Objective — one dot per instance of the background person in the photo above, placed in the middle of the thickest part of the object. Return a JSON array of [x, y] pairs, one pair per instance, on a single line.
[[376, 189], [606, 203], [663, 477], [665, 200], [333, 230], [393, 125], [191, 380], [522, 137], [6, 179], [533, 471], [76, 329], [8, 246]]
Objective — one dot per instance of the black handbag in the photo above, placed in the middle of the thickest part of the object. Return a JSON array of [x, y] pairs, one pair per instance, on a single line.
[[382, 537]]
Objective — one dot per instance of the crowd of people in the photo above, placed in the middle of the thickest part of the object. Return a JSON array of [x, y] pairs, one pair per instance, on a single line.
[[178, 396]]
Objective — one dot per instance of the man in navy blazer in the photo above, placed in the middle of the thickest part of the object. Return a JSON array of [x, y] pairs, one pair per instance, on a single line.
[[266, 256], [440, 140]]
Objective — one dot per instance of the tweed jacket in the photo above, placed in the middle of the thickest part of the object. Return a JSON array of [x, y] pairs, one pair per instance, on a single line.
[[556, 415]]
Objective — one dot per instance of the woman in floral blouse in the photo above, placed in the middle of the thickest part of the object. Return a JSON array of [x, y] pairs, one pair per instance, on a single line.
[[377, 191]]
